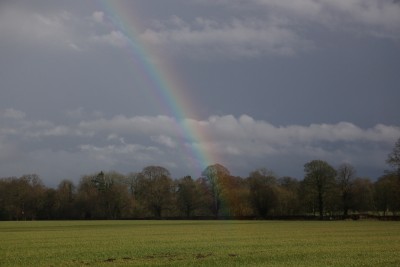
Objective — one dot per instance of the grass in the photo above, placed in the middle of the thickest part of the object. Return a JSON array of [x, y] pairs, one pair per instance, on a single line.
[[204, 243]]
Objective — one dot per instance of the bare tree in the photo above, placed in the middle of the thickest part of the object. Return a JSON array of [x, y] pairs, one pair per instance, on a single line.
[[65, 196], [394, 158], [188, 196], [263, 191], [289, 201], [155, 189], [344, 179], [112, 194], [363, 195], [387, 193], [319, 178]]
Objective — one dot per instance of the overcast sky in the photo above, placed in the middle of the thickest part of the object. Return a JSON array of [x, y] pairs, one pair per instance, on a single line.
[[84, 85]]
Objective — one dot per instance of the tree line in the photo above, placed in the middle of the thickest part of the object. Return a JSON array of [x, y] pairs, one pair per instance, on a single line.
[[152, 193]]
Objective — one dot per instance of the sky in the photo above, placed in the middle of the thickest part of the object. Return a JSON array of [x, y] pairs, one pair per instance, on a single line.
[[120, 85]]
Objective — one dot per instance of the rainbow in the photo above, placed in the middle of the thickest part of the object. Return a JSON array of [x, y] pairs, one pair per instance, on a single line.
[[166, 87]]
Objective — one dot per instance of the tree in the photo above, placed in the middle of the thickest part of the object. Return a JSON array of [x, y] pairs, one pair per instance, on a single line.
[[49, 209], [21, 198], [319, 179], [363, 195], [394, 178], [344, 179], [235, 196], [289, 202], [387, 193], [88, 199], [155, 172], [394, 158], [104, 196], [187, 195], [132, 182], [206, 201], [263, 191], [215, 174], [102, 181], [155, 189], [114, 195], [65, 195]]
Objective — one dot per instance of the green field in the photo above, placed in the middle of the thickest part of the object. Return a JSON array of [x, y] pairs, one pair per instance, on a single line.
[[190, 243]]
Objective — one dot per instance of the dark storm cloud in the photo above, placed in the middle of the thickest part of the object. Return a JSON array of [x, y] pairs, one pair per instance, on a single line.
[[318, 79]]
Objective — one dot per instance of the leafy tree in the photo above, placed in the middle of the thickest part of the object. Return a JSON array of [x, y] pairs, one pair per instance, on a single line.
[[319, 179], [215, 174]]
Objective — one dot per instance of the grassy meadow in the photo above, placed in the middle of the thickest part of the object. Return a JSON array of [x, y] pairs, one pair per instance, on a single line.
[[204, 243]]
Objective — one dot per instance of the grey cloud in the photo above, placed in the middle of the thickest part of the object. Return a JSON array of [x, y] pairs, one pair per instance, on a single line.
[[129, 125], [51, 30], [275, 27], [11, 113], [80, 114], [130, 143], [373, 17], [164, 140], [370, 16], [57, 30], [66, 73], [112, 154], [205, 38], [114, 38], [98, 16]]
